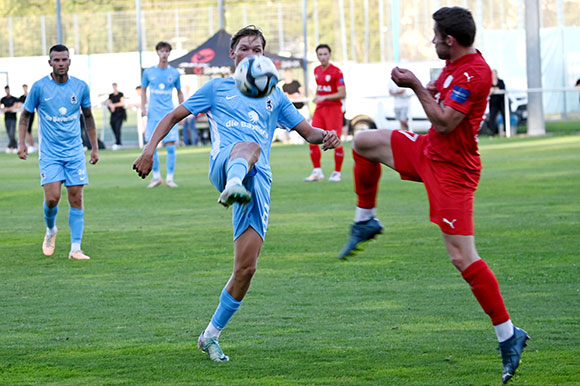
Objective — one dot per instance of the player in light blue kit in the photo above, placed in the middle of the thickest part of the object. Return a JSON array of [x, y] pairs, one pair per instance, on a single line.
[[161, 80], [59, 99], [242, 129]]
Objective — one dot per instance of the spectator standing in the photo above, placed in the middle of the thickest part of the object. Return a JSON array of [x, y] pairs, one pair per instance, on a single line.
[[496, 103], [293, 89], [116, 105], [10, 105], [29, 137], [401, 103]]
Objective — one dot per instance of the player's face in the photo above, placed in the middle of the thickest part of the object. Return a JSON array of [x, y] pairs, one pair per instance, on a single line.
[[163, 54], [441, 43], [323, 55], [60, 62], [247, 46]]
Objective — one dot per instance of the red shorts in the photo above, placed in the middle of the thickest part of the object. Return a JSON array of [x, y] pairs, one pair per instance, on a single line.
[[328, 118], [450, 189]]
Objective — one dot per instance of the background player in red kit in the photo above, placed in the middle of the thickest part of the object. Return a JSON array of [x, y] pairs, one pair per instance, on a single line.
[[330, 91], [447, 161]]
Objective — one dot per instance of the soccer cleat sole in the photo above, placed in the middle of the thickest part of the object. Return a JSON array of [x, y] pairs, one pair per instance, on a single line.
[[235, 194], [359, 248], [509, 375]]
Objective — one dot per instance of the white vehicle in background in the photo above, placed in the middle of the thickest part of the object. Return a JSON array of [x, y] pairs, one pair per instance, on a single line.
[[368, 104]]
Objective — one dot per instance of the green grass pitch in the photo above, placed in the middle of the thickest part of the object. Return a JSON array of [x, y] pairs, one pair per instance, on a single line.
[[397, 314]]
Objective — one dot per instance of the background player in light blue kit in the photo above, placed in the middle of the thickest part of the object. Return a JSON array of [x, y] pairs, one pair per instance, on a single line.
[[161, 80], [59, 99], [242, 129]]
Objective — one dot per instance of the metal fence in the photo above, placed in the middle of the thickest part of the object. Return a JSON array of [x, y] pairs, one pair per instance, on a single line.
[[358, 30]]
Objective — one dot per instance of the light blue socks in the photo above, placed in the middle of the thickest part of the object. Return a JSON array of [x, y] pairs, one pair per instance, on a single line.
[[171, 160], [237, 169], [155, 162], [50, 215], [225, 310], [76, 222]]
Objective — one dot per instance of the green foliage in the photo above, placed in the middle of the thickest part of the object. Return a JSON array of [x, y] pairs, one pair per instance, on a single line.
[[397, 314]]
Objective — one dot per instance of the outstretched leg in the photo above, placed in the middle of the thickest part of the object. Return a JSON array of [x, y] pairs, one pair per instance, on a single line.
[[370, 149]]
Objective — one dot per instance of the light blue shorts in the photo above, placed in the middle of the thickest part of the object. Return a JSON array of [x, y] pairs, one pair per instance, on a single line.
[[257, 182], [72, 172], [172, 136]]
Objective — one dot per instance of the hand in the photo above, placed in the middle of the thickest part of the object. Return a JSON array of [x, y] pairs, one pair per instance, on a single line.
[[143, 165], [144, 112], [431, 88], [404, 78], [94, 156], [22, 151], [318, 99], [330, 140]]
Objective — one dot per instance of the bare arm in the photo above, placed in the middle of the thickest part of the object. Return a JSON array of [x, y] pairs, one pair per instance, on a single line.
[[22, 129], [339, 94], [92, 133], [144, 163], [314, 135], [444, 119], [143, 102], [180, 96]]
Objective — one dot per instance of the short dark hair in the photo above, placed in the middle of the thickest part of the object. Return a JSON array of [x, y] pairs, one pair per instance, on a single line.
[[161, 45], [6, 87], [58, 48], [457, 22], [323, 45], [250, 30]]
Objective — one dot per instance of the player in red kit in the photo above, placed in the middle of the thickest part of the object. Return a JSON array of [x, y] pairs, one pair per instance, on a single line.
[[330, 91], [447, 161]]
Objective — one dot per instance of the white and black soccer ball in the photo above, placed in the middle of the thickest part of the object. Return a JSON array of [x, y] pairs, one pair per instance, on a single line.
[[256, 76]]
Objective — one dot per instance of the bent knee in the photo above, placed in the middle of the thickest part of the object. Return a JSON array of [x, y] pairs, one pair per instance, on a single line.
[[51, 202], [245, 273]]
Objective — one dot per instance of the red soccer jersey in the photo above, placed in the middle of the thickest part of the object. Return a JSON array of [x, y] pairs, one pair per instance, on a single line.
[[328, 81], [464, 86]]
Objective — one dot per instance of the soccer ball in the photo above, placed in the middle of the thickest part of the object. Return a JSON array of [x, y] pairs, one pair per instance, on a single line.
[[256, 76]]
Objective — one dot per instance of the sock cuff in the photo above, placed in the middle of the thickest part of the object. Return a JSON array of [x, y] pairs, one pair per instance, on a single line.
[[76, 211], [228, 301], [170, 148], [47, 209], [238, 161], [474, 268]]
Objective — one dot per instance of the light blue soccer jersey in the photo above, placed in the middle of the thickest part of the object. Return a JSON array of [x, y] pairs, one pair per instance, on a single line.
[[59, 108], [234, 117], [161, 82]]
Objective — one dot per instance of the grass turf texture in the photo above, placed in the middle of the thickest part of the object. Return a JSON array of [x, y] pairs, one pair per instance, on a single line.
[[397, 314]]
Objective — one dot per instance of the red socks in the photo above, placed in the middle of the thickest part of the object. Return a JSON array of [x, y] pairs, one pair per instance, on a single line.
[[338, 158], [315, 155], [366, 180], [485, 287]]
